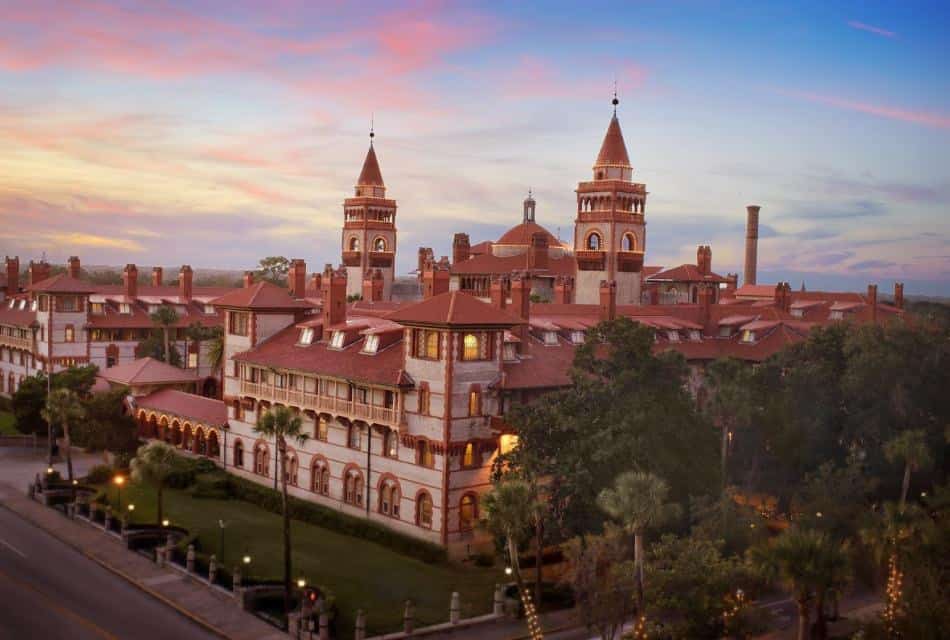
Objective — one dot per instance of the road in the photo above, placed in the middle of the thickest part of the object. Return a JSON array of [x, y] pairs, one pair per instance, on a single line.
[[50, 591]]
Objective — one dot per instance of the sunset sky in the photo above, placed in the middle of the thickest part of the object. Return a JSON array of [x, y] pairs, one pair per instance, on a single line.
[[215, 133]]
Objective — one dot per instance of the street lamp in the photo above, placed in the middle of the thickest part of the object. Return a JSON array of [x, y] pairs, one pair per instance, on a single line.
[[301, 583], [165, 522], [221, 525], [119, 481], [247, 564], [131, 509]]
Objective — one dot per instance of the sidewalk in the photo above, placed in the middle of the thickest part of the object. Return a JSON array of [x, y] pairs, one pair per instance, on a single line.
[[559, 625], [215, 611]]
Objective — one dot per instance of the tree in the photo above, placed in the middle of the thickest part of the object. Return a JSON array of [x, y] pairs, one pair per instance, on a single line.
[[152, 464], [273, 269], [215, 347], [602, 579], [723, 521], [281, 424], [731, 405], [107, 427], [153, 347], [511, 510], [909, 448], [165, 317], [796, 558], [638, 501], [30, 397], [64, 408]]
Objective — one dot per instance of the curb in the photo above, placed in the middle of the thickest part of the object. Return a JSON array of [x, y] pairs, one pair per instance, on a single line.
[[171, 604]]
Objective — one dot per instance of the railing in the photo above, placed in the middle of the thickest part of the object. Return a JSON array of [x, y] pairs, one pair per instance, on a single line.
[[381, 258], [19, 343], [306, 400], [351, 258], [590, 259]]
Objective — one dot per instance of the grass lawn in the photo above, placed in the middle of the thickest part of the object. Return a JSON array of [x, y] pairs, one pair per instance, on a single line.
[[361, 574], [7, 424]]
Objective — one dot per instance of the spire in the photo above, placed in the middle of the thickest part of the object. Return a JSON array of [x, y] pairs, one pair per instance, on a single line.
[[370, 176], [529, 205], [613, 151]]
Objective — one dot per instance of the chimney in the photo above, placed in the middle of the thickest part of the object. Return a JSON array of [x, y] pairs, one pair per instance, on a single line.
[[538, 253], [184, 282], [701, 259], [13, 275], [707, 254], [72, 267], [297, 278], [130, 278], [783, 296], [158, 276], [872, 301], [732, 282], [315, 279], [248, 279], [461, 248], [521, 295], [499, 297], [898, 293], [333, 288], [608, 300], [373, 285], [705, 303], [564, 290], [38, 271], [751, 243], [435, 279], [425, 255]]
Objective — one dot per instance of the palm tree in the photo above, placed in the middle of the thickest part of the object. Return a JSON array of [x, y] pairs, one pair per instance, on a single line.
[[833, 573], [152, 465], [730, 406], [910, 448], [63, 407], [281, 423], [510, 510], [197, 332], [797, 557], [215, 347], [638, 500], [165, 317]]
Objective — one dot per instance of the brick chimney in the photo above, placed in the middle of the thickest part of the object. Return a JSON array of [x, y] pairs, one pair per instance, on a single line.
[[38, 271], [72, 267], [705, 297], [315, 279], [701, 259], [373, 285], [435, 279], [564, 290], [185, 276], [248, 279], [13, 275], [732, 282], [608, 300], [707, 259], [333, 288], [898, 293], [158, 276], [751, 243], [499, 296], [461, 248], [783, 296], [521, 295], [297, 278], [538, 252], [872, 301], [130, 278], [425, 256]]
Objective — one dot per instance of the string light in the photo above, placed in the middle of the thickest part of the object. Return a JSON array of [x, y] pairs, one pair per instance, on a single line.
[[892, 608], [531, 616], [640, 629]]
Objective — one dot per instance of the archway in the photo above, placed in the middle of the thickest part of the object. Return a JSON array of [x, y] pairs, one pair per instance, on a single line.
[[186, 438], [176, 433], [200, 445], [214, 449]]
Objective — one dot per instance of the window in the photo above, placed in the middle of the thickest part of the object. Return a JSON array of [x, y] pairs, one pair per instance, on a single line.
[[470, 347], [306, 336], [424, 510], [68, 303], [371, 345], [510, 351], [290, 469], [695, 335], [238, 323], [209, 309], [389, 499], [673, 336], [424, 397], [748, 336], [577, 337], [238, 454], [550, 337], [261, 460], [320, 477], [427, 344], [424, 455], [468, 512], [628, 242], [337, 340], [474, 403], [507, 443], [97, 308], [280, 380], [322, 428], [125, 307], [379, 244], [33, 305], [69, 334], [354, 244], [354, 439], [353, 487], [798, 313], [468, 456], [594, 242], [362, 395], [192, 359], [391, 445]]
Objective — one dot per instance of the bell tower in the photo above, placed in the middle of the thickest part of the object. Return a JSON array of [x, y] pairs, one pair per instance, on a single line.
[[369, 228], [610, 230]]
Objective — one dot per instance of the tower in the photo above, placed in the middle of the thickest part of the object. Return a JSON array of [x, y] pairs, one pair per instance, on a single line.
[[369, 228], [609, 230]]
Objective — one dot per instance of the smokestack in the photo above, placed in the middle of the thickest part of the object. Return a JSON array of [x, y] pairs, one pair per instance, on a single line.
[[608, 300], [461, 248], [898, 294], [751, 243], [158, 276], [130, 277], [297, 277], [184, 282], [13, 275], [872, 301], [72, 267]]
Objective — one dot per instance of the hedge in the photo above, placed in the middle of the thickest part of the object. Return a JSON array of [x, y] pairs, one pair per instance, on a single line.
[[270, 500]]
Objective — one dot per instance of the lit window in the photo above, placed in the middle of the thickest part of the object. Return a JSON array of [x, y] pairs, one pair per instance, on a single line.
[[391, 445], [371, 345], [695, 335], [550, 337], [577, 337], [468, 456], [748, 336], [22, 305], [125, 307], [424, 510], [424, 455], [306, 335], [192, 360], [209, 309], [96, 308], [673, 336], [34, 305], [837, 315], [507, 443], [474, 403], [322, 428], [337, 340], [70, 334], [470, 347], [468, 512], [424, 400], [427, 344]]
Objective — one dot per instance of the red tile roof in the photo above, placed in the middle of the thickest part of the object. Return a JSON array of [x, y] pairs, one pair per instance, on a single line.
[[147, 371], [540, 367], [186, 405], [62, 283], [613, 151], [685, 273], [521, 234], [16, 317], [454, 308], [489, 264], [261, 295], [370, 175]]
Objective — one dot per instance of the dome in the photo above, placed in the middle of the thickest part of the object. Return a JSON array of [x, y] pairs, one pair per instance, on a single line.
[[521, 234]]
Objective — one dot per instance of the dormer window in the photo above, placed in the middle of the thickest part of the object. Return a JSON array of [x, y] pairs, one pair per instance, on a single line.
[[550, 337], [209, 309], [748, 336], [371, 345], [11, 304], [510, 352], [837, 315], [22, 305], [306, 336], [673, 336], [97, 308], [34, 305], [336, 341], [577, 337], [695, 335], [725, 332], [125, 307]]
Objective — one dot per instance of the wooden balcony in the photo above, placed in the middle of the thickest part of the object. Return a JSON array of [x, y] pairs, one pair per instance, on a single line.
[[628, 261], [351, 258], [315, 402], [16, 343], [588, 260]]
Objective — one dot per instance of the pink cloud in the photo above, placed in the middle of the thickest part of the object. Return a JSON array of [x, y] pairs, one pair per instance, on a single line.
[[262, 193], [925, 118], [854, 24]]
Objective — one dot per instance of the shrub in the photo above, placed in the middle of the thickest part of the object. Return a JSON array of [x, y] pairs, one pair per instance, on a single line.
[[213, 486], [184, 474], [99, 474], [270, 500]]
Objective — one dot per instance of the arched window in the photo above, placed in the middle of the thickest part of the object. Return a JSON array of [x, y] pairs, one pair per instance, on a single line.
[[468, 456], [468, 512], [475, 401], [354, 244], [379, 244], [353, 487], [290, 468], [320, 477], [628, 242], [424, 455], [594, 242], [389, 497], [261, 460], [391, 444], [424, 399], [471, 347], [424, 510], [354, 437]]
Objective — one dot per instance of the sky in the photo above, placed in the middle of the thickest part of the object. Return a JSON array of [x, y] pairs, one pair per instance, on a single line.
[[215, 133]]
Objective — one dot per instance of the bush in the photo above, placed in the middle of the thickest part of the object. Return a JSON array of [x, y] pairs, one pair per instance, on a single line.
[[270, 500], [184, 474], [99, 474], [213, 486]]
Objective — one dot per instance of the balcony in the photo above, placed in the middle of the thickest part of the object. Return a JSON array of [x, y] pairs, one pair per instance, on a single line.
[[337, 406], [381, 258], [16, 342], [629, 261], [588, 260], [351, 258]]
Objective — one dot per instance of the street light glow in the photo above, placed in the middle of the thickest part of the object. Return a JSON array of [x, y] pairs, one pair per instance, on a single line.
[[507, 571], [247, 559], [49, 469], [165, 522], [119, 480], [131, 507], [301, 583]]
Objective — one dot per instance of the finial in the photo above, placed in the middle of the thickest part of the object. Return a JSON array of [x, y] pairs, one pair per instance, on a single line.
[[615, 101], [529, 193], [372, 127]]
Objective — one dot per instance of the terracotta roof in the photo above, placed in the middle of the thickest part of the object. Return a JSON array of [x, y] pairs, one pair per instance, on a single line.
[[186, 405], [62, 283], [648, 271], [613, 151], [488, 263], [756, 291], [147, 371], [540, 366], [260, 295], [480, 247], [370, 175], [685, 273], [282, 351], [16, 317], [454, 308], [521, 234]]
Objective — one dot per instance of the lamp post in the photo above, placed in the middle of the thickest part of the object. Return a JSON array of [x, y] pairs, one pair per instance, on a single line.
[[119, 481], [131, 508], [247, 565], [221, 526]]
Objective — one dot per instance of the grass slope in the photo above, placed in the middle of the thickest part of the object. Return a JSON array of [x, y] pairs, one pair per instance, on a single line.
[[8, 424]]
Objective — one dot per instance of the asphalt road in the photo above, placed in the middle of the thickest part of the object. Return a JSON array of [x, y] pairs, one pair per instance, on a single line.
[[49, 591]]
